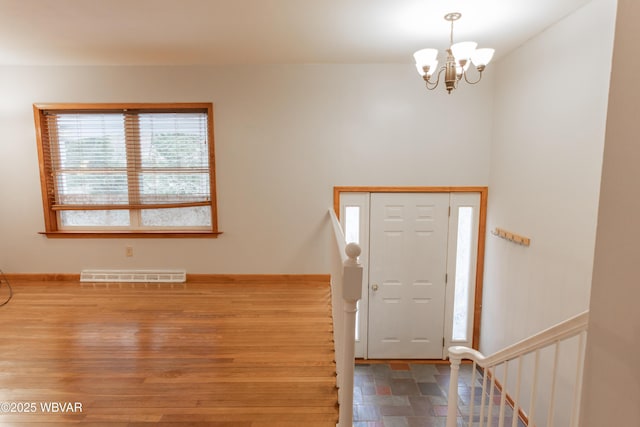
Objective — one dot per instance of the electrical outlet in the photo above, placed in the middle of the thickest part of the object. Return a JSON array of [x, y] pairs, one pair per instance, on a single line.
[[128, 251]]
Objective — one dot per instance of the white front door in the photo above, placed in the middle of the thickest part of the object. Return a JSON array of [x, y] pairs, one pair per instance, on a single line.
[[407, 269]]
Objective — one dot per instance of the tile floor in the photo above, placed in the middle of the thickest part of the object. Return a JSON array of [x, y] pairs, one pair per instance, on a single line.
[[413, 395]]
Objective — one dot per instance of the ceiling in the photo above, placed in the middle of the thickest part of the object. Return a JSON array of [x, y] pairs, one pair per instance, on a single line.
[[214, 32]]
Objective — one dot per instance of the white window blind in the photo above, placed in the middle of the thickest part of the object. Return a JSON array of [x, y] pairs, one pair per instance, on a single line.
[[129, 159], [122, 170]]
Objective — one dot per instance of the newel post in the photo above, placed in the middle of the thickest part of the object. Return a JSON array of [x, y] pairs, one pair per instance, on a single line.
[[452, 410], [351, 293]]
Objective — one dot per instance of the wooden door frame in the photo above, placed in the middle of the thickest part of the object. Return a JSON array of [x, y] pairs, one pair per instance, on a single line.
[[482, 229]]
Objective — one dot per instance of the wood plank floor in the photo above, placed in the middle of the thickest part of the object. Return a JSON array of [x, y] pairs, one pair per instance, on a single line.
[[195, 354]]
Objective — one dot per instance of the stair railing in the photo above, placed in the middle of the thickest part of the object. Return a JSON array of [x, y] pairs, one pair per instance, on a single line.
[[548, 341], [346, 290]]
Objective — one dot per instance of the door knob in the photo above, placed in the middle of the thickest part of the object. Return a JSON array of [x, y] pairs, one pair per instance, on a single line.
[[374, 287]]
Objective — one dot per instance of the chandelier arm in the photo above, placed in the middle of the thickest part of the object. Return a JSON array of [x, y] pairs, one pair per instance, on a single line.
[[470, 82], [431, 85]]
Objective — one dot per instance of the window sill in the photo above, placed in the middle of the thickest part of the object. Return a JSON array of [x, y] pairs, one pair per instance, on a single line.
[[131, 234]]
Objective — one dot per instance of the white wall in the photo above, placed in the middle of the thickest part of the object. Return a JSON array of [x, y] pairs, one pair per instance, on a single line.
[[545, 166], [546, 156], [612, 372], [284, 136]]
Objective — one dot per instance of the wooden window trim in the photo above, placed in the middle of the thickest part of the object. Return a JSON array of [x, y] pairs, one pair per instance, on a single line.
[[52, 229], [73, 234]]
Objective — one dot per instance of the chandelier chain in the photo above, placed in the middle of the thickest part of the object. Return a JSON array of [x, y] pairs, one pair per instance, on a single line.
[[451, 35]]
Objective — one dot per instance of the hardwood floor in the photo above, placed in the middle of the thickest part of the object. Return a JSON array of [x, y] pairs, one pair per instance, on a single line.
[[237, 355]]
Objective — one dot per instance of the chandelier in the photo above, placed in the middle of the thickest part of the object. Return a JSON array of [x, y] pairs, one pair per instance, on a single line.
[[459, 58]]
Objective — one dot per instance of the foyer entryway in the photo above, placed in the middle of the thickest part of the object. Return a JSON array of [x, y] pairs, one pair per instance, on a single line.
[[419, 252]]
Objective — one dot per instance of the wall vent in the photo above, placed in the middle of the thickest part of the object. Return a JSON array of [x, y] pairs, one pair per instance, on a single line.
[[142, 276]]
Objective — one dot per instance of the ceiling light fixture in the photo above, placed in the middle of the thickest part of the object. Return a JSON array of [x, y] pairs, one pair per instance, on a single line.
[[459, 58]]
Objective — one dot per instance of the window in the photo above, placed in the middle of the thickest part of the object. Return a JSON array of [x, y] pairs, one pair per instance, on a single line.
[[134, 170], [352, 234], [352, 224], [464, 279]]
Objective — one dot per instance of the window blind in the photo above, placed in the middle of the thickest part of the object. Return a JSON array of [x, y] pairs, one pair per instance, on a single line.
[[126, 159]]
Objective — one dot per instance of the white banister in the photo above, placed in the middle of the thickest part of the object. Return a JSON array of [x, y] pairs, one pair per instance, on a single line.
[[516, 406], [551, 337], [554, 377], [452, 410], [346, 290], [577, 392]]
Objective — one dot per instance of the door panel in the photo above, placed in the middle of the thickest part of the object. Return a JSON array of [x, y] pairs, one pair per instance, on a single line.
[[408, 261]]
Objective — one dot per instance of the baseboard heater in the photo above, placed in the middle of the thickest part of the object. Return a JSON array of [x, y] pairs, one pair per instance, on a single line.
[[143, 276]]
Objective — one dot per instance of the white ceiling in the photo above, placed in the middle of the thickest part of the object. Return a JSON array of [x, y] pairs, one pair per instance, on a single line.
[[189, 32]]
